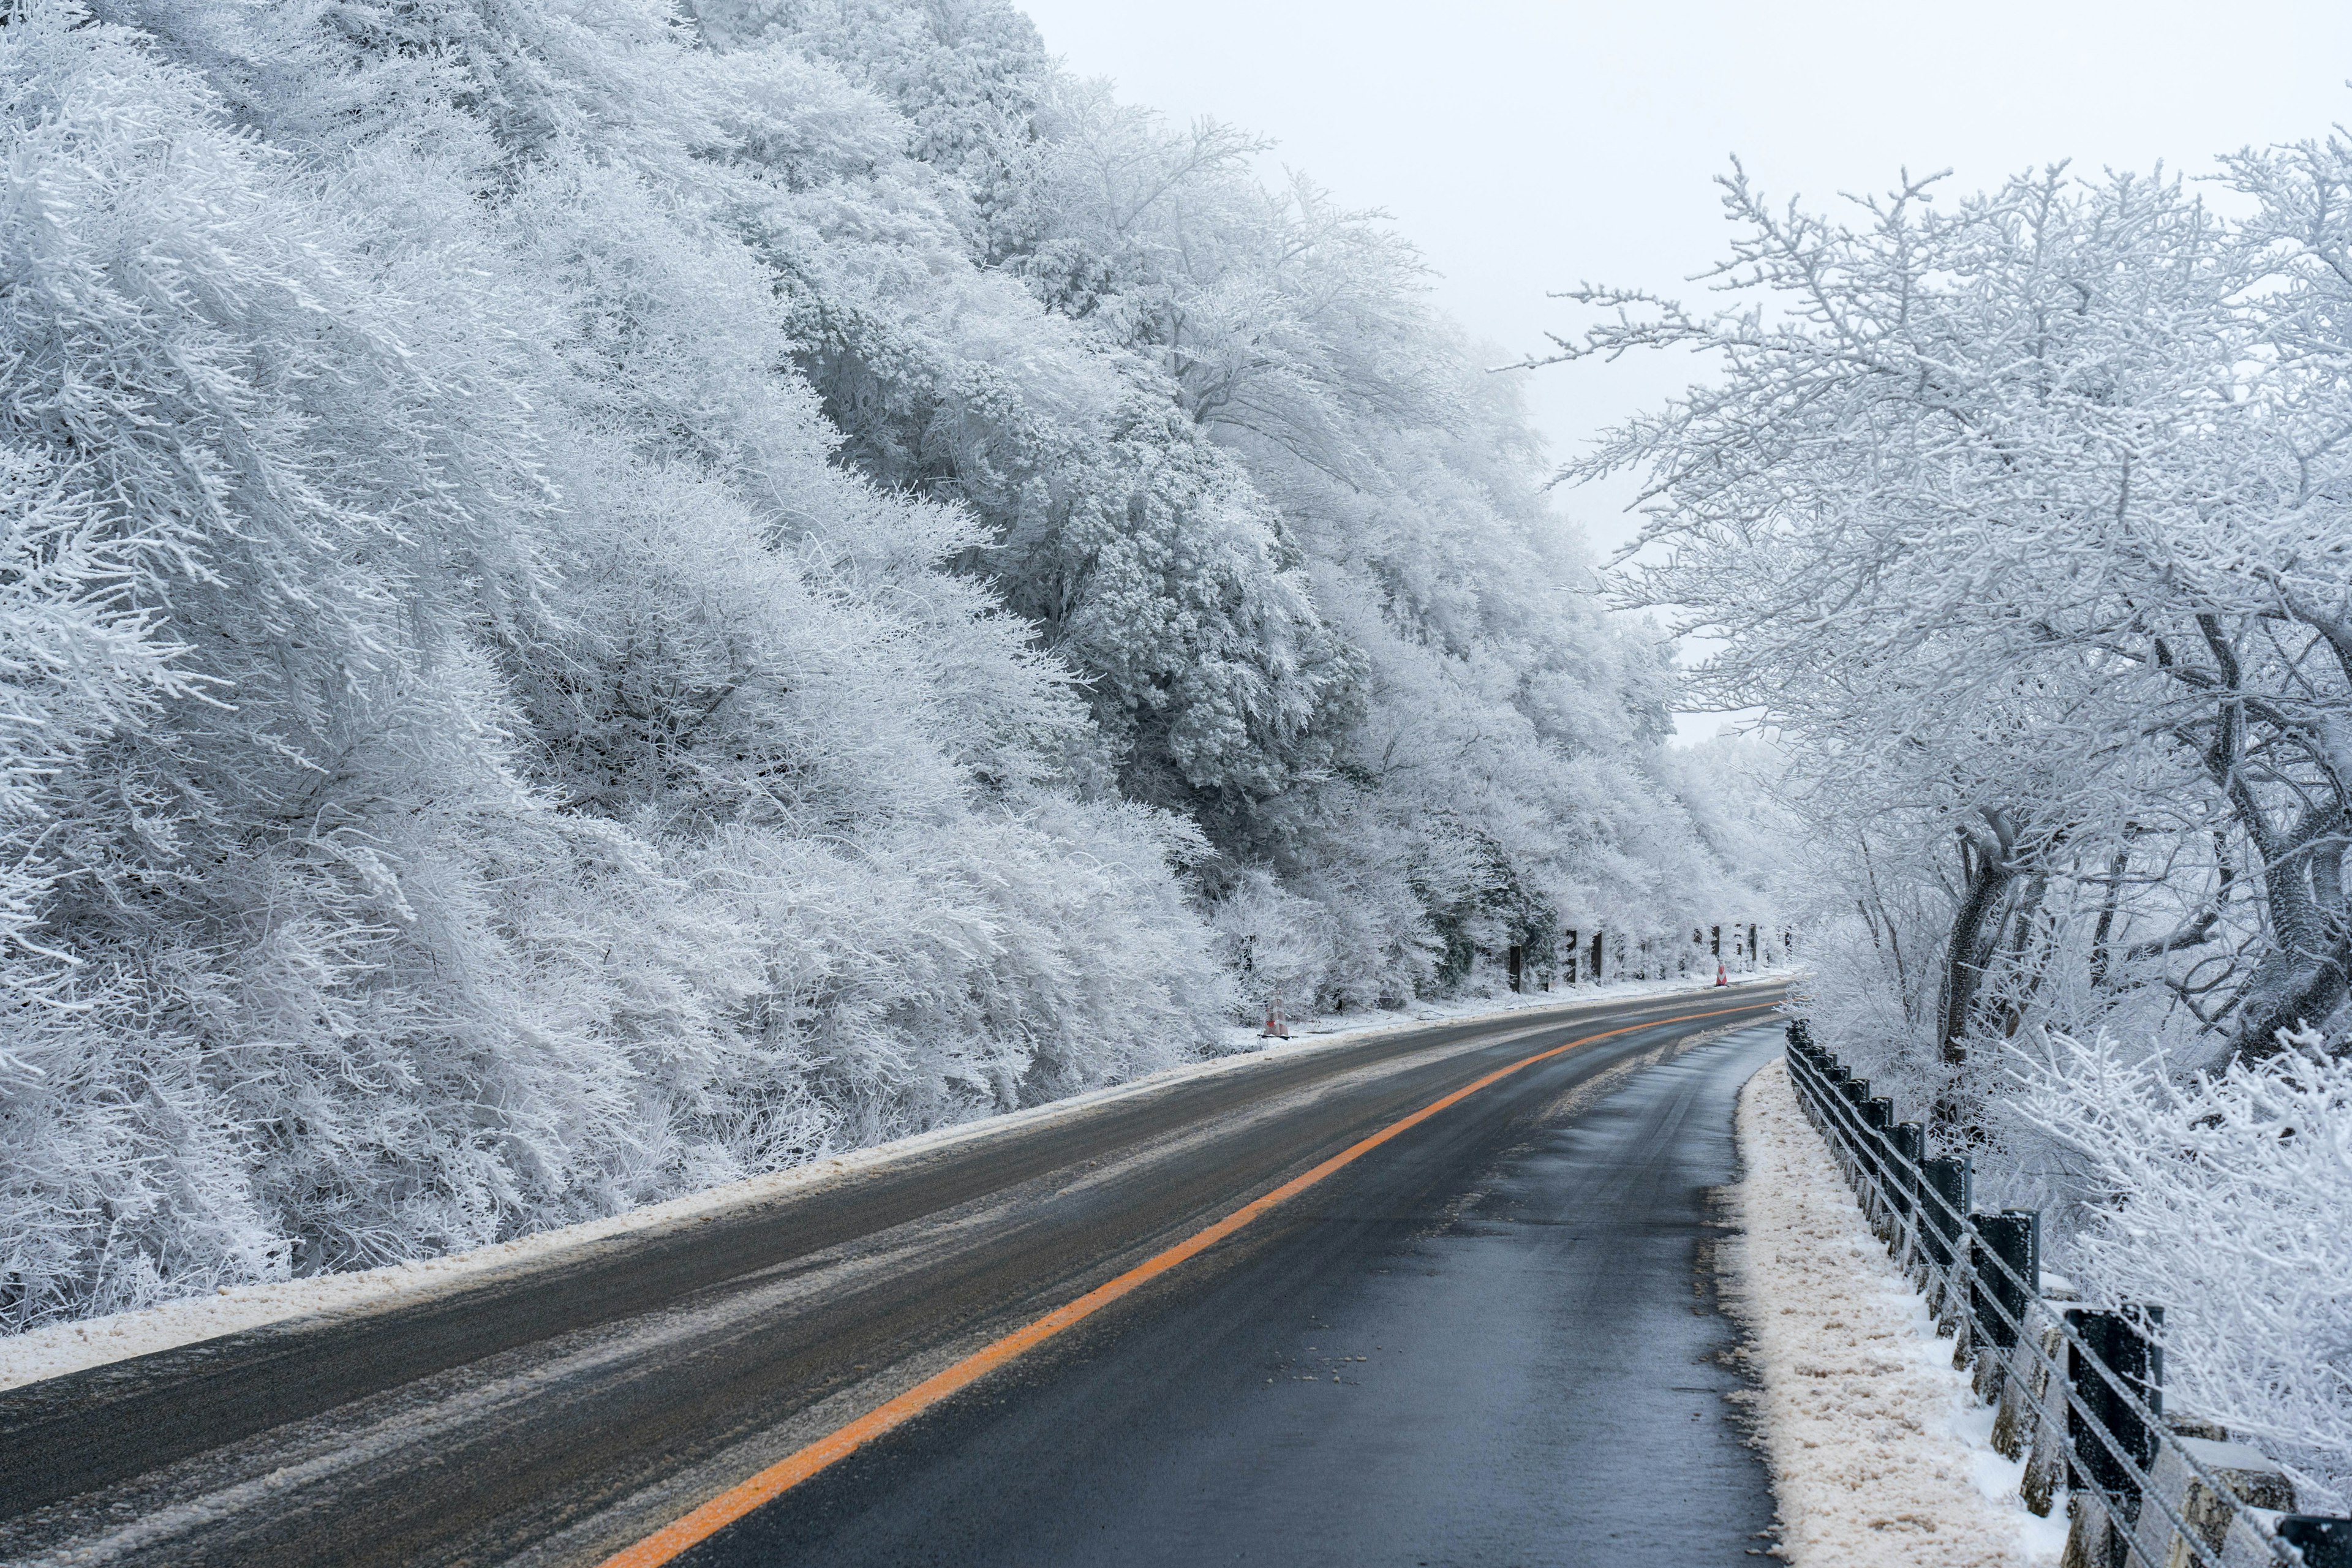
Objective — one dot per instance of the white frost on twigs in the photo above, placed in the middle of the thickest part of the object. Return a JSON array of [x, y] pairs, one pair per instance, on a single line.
[[1879, 1453], [2223, 1196]]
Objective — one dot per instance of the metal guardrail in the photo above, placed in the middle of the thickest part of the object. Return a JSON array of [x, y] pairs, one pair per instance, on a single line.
[[2080, 1389]]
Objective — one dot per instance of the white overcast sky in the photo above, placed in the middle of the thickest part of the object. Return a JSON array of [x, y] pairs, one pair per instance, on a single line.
[[1526, 147]]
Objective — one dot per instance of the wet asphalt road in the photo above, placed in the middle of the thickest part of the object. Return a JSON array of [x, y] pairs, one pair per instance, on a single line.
[[1492, 1343], [1522, 1274]]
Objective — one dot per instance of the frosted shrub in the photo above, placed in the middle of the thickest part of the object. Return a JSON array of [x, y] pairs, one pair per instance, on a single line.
[[1278, 945], [2223, 1197]]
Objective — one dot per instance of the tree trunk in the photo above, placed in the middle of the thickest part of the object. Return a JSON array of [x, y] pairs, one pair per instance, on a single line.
[[2306, 976], [1966, 955], [1968, 952]]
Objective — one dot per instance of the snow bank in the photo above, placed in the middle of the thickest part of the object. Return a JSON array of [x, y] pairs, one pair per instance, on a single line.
[[55, 1350], [1880, 1456]]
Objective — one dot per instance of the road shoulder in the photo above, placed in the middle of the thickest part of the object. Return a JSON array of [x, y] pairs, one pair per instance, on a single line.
[[1880, 1456]]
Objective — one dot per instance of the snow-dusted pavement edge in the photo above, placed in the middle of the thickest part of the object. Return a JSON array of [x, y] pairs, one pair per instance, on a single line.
[[1492, 1005], [1881, 1457], [56, 1349]]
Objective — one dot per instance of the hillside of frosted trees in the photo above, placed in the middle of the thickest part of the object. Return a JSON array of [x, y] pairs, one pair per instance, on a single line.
[[2027, 517], [598, 599]]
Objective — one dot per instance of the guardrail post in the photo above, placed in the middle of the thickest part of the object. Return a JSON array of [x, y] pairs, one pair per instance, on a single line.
[[2041, 1428], [1946, 1186], [2124, 1341], [2106, 1484], [2008, 1273], [2016, 1417], [2323, 1542], [1878, 1116], [1951, 1179], [2004, 1275], [1910, 1140], [1854, 1090]]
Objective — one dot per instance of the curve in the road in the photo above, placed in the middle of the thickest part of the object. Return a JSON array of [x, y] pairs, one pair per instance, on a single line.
[[554, 1417], [74, 1435], [1497, 1344], [666, 1544]]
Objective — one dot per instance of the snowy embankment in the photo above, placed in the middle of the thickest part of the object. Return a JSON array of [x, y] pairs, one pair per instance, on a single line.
[[1881, 1456], [55, 1350]]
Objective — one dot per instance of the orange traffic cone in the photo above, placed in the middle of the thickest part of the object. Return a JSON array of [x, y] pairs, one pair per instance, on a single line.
[[1276, 1026], [1721, 978]]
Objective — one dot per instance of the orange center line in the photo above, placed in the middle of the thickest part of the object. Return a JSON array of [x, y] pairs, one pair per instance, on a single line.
[[667, 1543]]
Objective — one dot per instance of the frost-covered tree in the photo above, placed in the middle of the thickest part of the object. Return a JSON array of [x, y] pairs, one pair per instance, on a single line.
[[2026, 524], [1242, 478], [495, 766], [1507, 760]]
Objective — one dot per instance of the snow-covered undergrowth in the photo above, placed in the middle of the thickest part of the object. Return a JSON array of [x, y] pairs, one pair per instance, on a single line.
[[2219, 1193], [1881, 1456]]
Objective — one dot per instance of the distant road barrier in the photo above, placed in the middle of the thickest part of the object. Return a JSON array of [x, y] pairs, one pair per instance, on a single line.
[[2079, 1388]]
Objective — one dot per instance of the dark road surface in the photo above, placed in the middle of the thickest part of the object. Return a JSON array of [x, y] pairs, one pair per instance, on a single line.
[[1494, 1346], [1489, 1341]]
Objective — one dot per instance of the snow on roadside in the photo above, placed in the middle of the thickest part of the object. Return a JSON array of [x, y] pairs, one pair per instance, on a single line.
[[1881, 1456], [1495, 1003], [57, 1348]]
